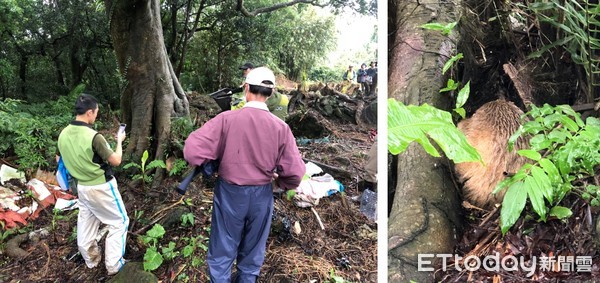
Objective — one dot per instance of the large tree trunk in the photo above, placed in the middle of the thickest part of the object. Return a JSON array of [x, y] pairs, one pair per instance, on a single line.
[[152, 94], [425, 215]]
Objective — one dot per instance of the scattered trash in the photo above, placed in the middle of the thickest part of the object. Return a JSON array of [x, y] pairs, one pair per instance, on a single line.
[[305, 141], [296, 228], [22, 202], [281, 226], [343, 262], [368, 204], [7, 173], [66, 204], [316, 184]]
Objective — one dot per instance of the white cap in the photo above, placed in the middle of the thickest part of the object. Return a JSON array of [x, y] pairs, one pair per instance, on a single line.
[[260, 74]]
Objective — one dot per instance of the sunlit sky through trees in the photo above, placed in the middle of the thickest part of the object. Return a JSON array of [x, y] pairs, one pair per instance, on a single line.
[[355, 36]]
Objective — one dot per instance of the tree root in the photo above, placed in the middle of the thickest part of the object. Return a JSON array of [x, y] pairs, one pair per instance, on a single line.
[[13, 248]]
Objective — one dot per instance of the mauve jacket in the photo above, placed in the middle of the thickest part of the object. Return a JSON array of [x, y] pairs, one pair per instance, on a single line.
[[251, 144]]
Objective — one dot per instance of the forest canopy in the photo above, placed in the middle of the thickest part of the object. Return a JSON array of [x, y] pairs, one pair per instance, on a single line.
[[51, 46]]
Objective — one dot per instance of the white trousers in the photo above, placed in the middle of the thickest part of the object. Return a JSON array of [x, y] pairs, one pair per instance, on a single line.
[[102, 204]]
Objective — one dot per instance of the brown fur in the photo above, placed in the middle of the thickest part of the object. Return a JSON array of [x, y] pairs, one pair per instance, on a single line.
[[488, 131]]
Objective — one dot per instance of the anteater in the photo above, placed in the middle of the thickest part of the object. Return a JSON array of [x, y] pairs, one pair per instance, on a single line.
[[488, 130]]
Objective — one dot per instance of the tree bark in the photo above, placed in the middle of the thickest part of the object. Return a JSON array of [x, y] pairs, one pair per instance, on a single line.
[[152, 94], [424, 217]]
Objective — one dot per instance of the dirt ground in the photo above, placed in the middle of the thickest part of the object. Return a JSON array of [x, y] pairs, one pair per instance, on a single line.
[[345, 248]]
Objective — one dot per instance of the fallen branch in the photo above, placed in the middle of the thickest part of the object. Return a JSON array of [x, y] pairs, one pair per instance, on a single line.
[[523, 89], [584, 107], [180, 201]]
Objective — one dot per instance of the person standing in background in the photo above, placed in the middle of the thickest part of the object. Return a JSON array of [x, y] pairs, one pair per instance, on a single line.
[[362, 79], [277, 102], [350, 75], [372, 73]]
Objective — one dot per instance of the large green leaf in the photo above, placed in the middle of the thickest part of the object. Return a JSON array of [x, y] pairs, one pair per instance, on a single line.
[[407, 124], [535, 196], [529, 153], [512, 206], [451, 61], [543, 183], [157, 231], [463, 95], [551, 170], [152, 259]]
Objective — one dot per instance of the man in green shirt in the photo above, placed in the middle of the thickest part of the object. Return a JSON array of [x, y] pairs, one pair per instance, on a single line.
[[277, 102], [88, 158]]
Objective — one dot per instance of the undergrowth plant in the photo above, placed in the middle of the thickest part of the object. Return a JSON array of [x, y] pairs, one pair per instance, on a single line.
[[336, 278], [153, 258], [144, 168], [178, 167], [181, 128], [564, 152], [30, 131], [198, 243], [576, 26], [187, 219]]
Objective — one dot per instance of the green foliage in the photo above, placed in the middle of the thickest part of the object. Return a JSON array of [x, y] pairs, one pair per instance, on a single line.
[[38, 69], [450, 63], [178, 167], [451, 85], [144, 168], [445, 29], [152, 258], [181, 128], [564, 150], [6, 233], [576, 24], [56, 216], [183, 277], [461, 99], [73, 236], [187, 219], [169, 252], [335, 278], [290, 194], [153, 235], [31, 130], [323, 74], [407, 124], [298, 40], [195, 244]]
